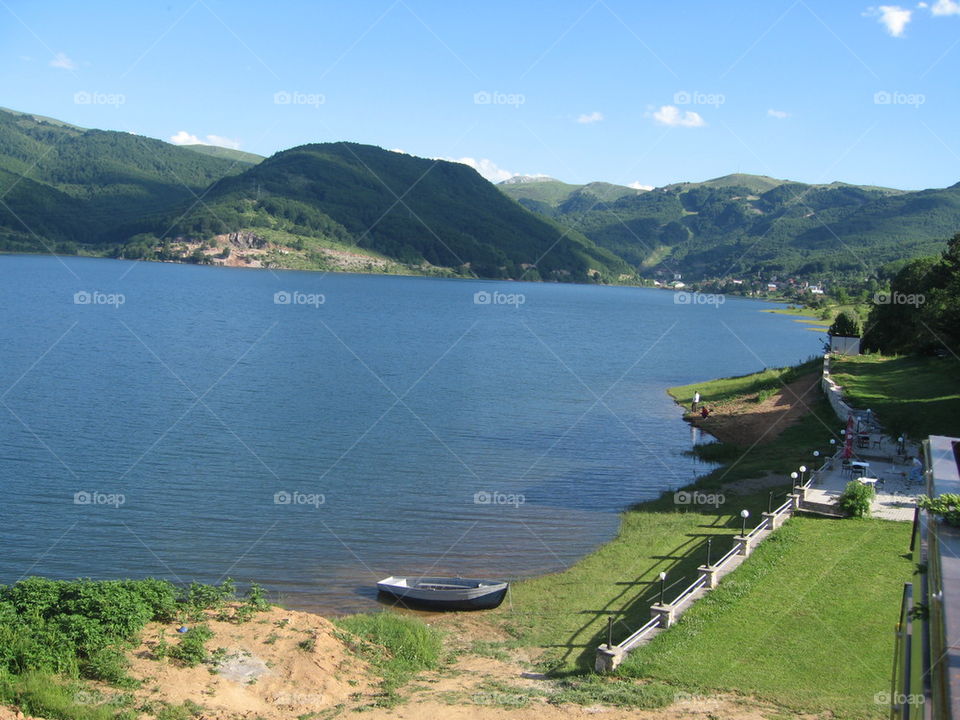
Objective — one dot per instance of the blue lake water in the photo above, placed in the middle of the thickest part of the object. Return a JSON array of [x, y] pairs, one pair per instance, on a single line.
[[370, 426]]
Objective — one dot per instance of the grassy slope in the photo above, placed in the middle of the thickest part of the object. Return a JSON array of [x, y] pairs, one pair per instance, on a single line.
[[551, 192], [240, 156], [919, 395], [566, 613], [807, 622]]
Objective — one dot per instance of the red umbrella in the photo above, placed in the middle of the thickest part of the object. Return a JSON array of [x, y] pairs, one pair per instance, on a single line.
[[848, 438]]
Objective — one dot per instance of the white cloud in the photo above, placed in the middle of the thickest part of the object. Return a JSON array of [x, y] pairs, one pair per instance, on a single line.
[[946, 7], [398, 150], [671, 116], [778, 114], [60, 60], [185, 138], [893, 17], [590, 118], [489, 169], [637, 185]]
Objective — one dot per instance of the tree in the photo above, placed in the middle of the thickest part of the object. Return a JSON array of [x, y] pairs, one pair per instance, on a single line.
[[845, 325], [921, 312]]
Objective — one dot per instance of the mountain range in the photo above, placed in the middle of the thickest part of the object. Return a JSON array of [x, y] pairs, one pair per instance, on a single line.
[[747, 224], [347, 206]]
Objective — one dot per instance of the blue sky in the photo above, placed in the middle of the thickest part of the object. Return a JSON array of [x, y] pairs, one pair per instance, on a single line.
[[626, 92]]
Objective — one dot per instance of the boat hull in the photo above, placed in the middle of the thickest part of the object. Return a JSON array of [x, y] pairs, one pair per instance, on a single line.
[[445, 593]]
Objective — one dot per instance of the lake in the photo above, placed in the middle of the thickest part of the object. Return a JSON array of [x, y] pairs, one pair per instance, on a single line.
[[316, 432]]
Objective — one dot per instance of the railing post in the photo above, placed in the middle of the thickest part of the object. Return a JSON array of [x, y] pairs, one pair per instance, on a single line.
[[775, 521], [665, 612], [608, 658], [711, 574]]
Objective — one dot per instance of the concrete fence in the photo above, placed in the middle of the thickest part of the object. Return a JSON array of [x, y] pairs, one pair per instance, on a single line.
[[662, 616], [834, 392], [609, 656]]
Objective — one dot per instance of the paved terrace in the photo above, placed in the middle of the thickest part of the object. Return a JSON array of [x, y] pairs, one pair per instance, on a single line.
[[896, 493]]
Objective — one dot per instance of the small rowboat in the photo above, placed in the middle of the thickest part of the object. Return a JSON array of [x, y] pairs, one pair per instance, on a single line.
[[445, 593]]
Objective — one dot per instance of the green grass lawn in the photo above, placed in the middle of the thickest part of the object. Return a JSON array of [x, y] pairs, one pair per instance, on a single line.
[[807, 622], [824, 316], [918, 395], [567, 612], [743, 386]]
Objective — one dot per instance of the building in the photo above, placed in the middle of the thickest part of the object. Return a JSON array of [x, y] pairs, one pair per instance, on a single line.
[[926, 681]]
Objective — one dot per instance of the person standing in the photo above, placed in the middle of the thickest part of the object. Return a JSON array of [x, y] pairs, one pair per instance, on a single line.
[[696, 401]]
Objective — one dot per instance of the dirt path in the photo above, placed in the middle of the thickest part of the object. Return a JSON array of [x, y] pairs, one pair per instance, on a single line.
[[744, 421]]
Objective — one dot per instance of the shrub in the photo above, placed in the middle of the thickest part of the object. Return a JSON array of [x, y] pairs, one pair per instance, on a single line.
[[107, 664], [191, 649], [856, 499], [845, 325], [946, 506]]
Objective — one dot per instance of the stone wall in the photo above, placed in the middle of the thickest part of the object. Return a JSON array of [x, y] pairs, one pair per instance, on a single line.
[[834, 392]]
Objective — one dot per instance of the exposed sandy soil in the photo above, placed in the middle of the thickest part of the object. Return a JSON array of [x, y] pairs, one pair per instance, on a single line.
[[745, 422], [264, 673]]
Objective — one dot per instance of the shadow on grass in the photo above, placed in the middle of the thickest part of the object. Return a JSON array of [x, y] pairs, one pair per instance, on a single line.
[[631, 609]]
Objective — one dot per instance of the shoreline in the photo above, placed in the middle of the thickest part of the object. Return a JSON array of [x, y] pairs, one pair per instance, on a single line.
[[451, 275]]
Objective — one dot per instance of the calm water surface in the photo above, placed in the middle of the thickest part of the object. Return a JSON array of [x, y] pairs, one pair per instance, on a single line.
[[410, 428]]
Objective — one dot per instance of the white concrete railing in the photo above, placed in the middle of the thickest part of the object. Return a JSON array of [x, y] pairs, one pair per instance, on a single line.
[[834, 392], [628, 644], [663, 616]]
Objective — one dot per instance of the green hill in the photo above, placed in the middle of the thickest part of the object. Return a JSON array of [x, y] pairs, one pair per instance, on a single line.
[[71, 187], [747, 224], [754, 183], [413, 210], [549, 196], [348, 206], [226, 153]]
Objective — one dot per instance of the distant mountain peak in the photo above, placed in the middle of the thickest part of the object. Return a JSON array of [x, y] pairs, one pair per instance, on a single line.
[[523, 179]]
